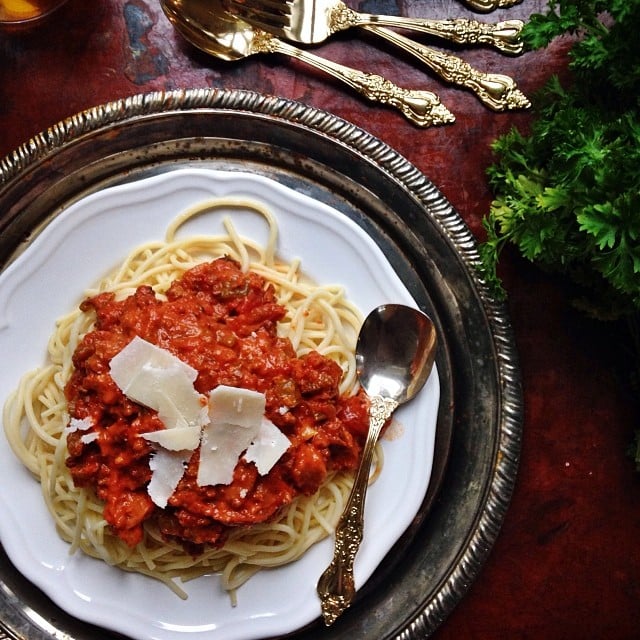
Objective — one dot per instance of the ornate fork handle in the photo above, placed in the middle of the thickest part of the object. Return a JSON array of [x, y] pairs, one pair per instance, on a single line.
[[423, 108], [504, 35], [497, 91], [336, 586]]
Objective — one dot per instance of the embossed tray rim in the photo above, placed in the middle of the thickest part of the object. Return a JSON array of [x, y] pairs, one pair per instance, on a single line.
[[481, 418]]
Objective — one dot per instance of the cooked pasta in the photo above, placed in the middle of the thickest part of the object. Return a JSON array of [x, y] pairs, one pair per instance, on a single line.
[[318, 318]]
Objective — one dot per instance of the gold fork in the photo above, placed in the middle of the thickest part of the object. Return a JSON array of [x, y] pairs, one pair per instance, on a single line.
[[496, 91], [207, 26], [313, 21]]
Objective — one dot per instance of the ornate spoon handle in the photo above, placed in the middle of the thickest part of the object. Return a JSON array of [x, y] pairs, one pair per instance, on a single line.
[[504, 36], [497, 91], [336, 586], [423, 108]]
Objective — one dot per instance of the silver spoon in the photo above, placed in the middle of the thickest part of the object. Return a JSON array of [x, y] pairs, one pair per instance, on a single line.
[[207, 25], [394, 355]]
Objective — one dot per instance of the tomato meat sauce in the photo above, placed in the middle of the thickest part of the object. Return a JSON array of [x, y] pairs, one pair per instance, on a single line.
[[223, 323]]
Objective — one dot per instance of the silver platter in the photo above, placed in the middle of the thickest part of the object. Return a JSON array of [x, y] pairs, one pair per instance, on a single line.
[[480, 420]]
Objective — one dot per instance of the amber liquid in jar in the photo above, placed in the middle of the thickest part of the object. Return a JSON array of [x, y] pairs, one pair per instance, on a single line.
[[19, 10]]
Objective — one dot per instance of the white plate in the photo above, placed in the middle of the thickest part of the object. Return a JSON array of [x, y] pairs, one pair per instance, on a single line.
[[78, 247]]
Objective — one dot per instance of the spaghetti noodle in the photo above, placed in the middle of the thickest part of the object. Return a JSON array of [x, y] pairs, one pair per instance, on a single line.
[[317, 319]]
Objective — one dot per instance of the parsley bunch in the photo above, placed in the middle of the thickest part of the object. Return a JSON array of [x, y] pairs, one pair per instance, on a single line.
[[567, 194]]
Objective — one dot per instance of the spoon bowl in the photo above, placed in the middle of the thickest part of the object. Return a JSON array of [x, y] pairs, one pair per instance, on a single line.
[[395, 353], [210, 29]]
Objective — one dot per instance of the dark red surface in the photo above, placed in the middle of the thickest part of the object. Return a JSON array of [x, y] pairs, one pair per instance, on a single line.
[[566, 564]]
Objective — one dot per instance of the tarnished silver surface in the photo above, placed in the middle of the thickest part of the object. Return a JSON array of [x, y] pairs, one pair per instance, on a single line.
[[429, 245]]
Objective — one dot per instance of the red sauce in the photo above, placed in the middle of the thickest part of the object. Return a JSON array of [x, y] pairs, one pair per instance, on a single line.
[[223, 323]]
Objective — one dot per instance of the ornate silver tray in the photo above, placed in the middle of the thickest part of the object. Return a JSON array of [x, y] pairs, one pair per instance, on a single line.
[[480, 418]]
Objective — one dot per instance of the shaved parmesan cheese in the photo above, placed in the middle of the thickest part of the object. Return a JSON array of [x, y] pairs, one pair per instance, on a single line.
[[237, 425], [77, 424], [88, 438], [220, 449], [167, 469], [176, 413], [156, 378], [267, 448], [176, 439], [231, 405]]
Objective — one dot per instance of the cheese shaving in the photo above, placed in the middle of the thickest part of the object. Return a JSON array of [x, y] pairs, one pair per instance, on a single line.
[[267, 447], [167, 469], [230, 425], [176, 439], [155, 378]]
